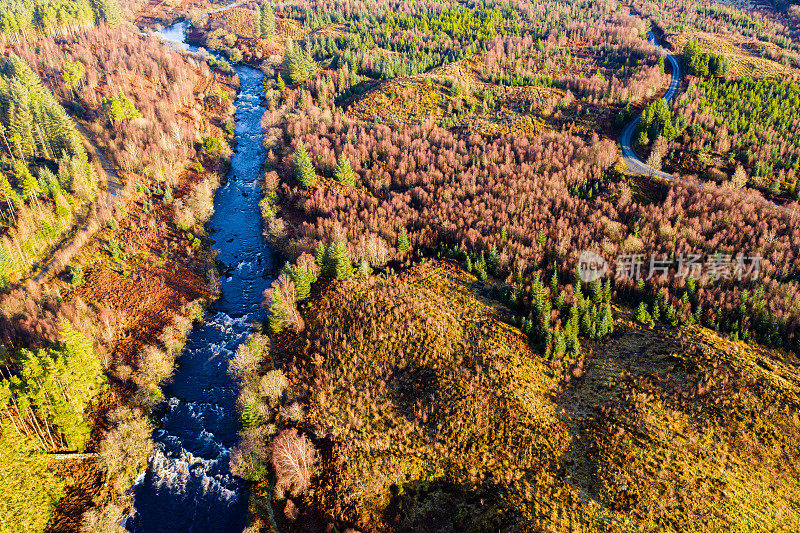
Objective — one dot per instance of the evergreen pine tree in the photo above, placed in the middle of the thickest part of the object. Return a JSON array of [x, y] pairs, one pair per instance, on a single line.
[[586, 323], [554, 284], [303, 167], [493, 261], [107, 11], [277, 313], [249, 416], [342, 267], [344, 172], [642, 316], [319, 255], [560, 348], [480, 268], [302, 278], [28, 184], [298, 65], [606, 326], [267, 21], [402, 241], [596, 288]]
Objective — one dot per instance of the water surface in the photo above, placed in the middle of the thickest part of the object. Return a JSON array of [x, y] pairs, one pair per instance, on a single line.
[[188, 486]]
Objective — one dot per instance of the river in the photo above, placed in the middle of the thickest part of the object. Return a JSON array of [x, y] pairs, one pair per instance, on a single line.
[[188, 486]]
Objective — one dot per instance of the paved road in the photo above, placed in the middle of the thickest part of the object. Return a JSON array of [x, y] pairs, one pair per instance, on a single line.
[[636, 165], [640, 168]]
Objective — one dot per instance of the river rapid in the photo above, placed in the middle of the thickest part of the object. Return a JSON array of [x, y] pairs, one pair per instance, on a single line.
[[188, 486]]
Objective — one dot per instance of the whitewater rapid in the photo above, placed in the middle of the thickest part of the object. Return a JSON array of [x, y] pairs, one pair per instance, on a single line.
[[188, 486]]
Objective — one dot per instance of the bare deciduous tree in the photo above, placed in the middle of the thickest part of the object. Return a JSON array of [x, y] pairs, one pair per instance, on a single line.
[[295, 460]]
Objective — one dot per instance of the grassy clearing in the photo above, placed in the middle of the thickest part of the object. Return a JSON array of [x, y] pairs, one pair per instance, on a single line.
[[749, 58]]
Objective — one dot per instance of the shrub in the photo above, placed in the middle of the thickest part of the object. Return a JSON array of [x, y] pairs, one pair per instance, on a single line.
[[250, 458], [235, 55], [73, 74], [295, 459], [272, 385], [154, 365], [183, 215], [125, 448], [280, 300], [249, 357], [76, 275], [120, 108], [212, 145], [201, 199]]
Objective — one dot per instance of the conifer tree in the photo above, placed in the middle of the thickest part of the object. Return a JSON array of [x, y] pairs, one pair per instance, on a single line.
[[607, 291], [267, 21], [303, 167], [298, 65], [402, 241], [493, 261], [642, 316], [277, 313], [606, 326], [320, 255], [26, 181], [480, 268], [302, 277], [554, 283], [341, 264], [107, 11], [344, 172]]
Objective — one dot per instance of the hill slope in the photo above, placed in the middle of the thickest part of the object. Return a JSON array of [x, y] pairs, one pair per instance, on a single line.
[[442, 418]]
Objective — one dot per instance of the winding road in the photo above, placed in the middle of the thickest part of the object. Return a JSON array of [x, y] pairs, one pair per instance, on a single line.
[[636, 165], [639, 168]]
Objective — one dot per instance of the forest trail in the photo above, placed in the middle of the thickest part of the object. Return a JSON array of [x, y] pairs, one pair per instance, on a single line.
[[97, 154], [639, 168], [96, 219]]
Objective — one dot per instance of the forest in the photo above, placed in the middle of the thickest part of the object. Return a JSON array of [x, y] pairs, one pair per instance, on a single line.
[[351, 199], [112, 145], [427, 353], [47, 180], [752, 123]]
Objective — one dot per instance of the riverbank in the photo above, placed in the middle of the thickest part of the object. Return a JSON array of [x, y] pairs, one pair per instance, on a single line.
[[188, 479], [144, 275]]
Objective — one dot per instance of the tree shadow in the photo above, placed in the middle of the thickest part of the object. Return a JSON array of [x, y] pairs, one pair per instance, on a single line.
[[412, 387], [438, 506]]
